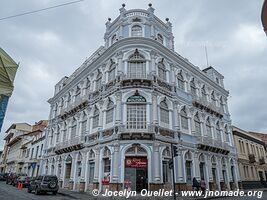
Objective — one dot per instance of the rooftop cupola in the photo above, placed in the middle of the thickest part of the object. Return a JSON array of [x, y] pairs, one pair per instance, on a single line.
[[139, 23]]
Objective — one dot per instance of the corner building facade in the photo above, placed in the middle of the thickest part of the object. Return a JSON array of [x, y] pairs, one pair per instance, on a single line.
[[112, 122]]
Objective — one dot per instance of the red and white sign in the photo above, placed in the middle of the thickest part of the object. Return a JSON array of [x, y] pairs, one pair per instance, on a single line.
[[136, 162]]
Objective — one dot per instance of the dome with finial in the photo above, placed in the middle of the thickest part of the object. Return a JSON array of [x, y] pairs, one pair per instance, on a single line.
[[139, 23]]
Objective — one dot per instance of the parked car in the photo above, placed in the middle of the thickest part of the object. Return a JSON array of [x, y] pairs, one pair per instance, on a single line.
[[25, 180], [46, 183], [14, 181], [10, 178], [3, 176]]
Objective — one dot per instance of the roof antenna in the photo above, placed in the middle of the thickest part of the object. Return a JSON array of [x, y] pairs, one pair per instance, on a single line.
[[206, 52]]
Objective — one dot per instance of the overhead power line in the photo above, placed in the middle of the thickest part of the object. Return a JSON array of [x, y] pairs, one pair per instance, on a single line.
[[40, 10]]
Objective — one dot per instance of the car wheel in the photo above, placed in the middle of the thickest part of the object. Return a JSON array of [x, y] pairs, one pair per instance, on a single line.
[[54, 193], [29, 190], [36, 192]]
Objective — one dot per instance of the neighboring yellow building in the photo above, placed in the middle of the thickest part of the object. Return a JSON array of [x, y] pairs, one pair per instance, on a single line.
[[251, 159]]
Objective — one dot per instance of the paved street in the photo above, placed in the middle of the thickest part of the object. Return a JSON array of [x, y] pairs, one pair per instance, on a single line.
[[8, 192]]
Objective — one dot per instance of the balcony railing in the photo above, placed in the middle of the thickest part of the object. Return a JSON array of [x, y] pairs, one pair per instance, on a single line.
[[70, 143], [209, 144], [208, 105], [251, 158]]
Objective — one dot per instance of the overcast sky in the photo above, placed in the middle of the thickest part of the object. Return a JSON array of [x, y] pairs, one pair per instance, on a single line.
[[53, 43]]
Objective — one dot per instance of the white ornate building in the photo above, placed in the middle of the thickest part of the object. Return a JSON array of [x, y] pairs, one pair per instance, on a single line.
[[113, 120]]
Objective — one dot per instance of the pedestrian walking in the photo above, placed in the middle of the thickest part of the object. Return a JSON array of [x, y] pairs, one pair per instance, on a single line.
[[202, 185], [195, 184]]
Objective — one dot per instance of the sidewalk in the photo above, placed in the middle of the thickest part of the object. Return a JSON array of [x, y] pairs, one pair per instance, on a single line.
[[88, 195]]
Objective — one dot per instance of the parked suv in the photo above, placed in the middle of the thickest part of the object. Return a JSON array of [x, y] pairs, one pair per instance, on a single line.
[[44, 184]]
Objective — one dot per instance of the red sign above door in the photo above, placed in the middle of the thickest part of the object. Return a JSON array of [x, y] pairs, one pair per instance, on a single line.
[[136, 162]]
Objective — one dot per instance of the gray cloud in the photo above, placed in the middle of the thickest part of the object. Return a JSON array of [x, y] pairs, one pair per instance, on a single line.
[[54, 43]]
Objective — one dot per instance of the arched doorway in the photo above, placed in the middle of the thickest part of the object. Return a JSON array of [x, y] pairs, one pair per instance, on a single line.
[[202, 168], [224, 175], [68, 164], [136, 177], [166, 171], [214, 173], [91, 170], [188, 168]]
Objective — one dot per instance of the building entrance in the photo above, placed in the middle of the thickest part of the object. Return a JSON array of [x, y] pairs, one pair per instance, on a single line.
[[135, 174]]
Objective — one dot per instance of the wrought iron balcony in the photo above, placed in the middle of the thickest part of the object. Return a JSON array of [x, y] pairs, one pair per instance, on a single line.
[[75, 143], [132, 134], [203, 104], [251, 158], [209, 144]]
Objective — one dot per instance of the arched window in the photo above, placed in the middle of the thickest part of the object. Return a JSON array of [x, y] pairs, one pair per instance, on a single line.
[[113, 39], [136, 112], [96, 117], [202, 166], [137, 31], [226, 134], [98, 81], [164, 112], [181, 81], [184, 119], [213, 99], [197, 125], [109, 112], [188, 167], [73, 128], [193, 87], [111, 73], [162, 71], [136, 66], [203, 93], [79, 165], [166, 155], [218, 131], [91, 167], [208, 128], [107, 163], [160, 38]]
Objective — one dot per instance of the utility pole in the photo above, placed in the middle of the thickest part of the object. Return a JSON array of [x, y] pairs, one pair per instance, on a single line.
[[174, 150]]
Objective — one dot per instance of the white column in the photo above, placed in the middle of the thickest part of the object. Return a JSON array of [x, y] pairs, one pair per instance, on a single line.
[[118, 108], [178, 167], [86, 170], [155, 109], [153, 62], [228, 174], [156, 166], [84, 160], [115, 164], [73, 168], [119, 68], [63, 168], [175, 116], [196, 170], [236, 174], [208, 168], [96, 172]]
